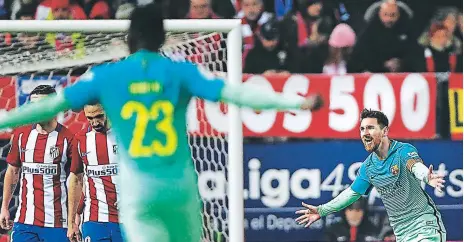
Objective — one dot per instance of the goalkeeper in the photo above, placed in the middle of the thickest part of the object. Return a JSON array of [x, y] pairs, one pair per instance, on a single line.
[[146, 97]]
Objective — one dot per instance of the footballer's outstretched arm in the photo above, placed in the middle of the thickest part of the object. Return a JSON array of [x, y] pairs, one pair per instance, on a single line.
[[360, 186], [417, 167], [311, 214], [343, 200], [74, 97], [204, 84], [45, 109], [257, 98]]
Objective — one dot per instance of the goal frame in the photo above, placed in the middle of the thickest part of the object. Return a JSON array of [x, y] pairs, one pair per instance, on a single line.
[[234, 76]]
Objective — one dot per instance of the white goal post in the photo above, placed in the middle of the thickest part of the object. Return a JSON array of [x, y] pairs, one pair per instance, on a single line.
[[234, 75]]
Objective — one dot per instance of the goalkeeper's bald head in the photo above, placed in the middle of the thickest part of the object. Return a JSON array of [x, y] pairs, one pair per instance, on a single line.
[[146, 29]]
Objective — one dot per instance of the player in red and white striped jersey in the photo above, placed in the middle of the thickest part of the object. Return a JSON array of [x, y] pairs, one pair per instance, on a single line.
[[39, 157], [95, 163]]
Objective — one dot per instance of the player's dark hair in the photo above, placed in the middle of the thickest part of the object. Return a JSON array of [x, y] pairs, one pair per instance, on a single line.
[[43, 90], [146, 29], [382, 119]]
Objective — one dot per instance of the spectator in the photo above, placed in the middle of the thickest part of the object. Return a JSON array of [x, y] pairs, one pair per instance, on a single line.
[[451, 19], [308, 27], [91, 9], [432, 55], [64, 9], [447, 17], [458, 32], [341, 42], [384, 42], [201, 9], [26, 12], [438, 55], [354, 226], [253, 16], [374, 8], [267, 56], [27, 41], [305, 35]]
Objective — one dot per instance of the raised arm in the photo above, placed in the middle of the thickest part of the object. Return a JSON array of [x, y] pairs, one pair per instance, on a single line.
[[45, 109], [360, 186], [415, 165], [201, 83], [311, 214], [256, 98], [73, 97]]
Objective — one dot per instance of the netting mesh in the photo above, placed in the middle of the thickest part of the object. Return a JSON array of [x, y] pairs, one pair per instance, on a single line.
[[28, 60]]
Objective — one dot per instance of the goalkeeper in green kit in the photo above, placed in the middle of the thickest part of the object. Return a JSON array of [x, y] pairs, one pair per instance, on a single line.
[[146, 97], [396, 170]]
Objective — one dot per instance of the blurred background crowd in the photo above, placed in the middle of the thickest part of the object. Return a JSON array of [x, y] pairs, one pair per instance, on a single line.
[[300, 36]]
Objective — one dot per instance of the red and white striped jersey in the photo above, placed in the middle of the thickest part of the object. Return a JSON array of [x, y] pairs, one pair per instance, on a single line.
[[95, 154], [43, 159]]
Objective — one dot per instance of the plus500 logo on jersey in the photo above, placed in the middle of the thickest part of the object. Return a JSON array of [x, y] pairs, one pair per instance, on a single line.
[[40, 169], [102, 170]]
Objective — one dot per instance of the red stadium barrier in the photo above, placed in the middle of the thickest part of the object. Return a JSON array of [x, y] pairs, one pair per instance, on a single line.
[[407, 99]]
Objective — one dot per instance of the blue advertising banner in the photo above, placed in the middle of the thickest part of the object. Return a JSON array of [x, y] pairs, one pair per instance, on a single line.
[[279, 176]]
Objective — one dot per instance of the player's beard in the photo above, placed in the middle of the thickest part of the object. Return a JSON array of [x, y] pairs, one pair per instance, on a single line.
[[101, 127], [371, 145], [45, 124]]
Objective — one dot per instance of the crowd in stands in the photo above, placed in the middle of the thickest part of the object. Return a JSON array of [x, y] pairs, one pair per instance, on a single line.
[[294, 36]]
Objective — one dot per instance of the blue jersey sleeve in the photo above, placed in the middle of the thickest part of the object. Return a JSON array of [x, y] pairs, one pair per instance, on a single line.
[[84, 91], [199, 82], [409, 156], [361, 184]]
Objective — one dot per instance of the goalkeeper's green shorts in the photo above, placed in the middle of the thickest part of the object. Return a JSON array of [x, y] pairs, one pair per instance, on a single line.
[[159, 210], [160, 223]]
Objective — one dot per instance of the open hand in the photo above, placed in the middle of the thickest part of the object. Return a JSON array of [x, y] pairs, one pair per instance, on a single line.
[[313, 103], [436, 180], [310, 215]]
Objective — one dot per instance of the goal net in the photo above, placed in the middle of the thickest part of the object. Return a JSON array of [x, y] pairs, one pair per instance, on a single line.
[[58, 59]]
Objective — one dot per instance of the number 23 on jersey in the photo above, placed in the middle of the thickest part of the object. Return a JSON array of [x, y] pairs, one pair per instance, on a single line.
[[165, 126]]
